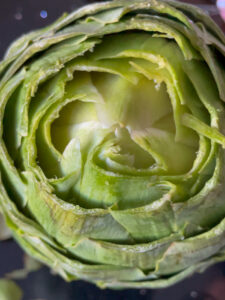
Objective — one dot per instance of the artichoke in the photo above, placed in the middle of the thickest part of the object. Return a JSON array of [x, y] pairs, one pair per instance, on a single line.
[[112, 143]]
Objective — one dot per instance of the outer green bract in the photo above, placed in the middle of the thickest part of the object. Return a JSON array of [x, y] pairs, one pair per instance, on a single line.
[[112, 146]]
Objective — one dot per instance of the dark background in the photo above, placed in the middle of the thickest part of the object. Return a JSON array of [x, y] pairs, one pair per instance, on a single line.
[[21, 16]]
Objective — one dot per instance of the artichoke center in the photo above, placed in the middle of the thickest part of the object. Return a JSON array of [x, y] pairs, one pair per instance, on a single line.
[[134, 124]]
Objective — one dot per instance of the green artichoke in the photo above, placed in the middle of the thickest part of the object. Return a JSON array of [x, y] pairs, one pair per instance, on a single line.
[[112, 143]]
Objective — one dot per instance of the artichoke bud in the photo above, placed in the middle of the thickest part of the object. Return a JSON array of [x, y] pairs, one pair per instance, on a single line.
[[112, 143]]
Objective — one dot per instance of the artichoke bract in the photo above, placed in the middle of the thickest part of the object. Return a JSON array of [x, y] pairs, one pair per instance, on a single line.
[[112, 143]]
